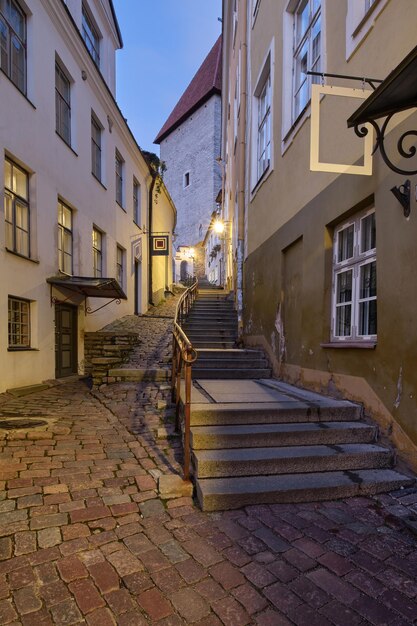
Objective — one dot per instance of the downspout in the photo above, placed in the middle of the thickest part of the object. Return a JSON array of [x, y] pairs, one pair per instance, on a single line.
[[150, 212], [241, 175]]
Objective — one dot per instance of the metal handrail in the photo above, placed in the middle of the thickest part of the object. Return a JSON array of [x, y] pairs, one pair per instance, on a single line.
[[183, 356]]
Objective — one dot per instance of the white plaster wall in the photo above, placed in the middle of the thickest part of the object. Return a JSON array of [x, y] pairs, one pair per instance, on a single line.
[[193, 147], [27, 135]]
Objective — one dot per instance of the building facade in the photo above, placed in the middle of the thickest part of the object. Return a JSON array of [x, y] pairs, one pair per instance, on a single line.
[[76, 195], [323, 290], [189, 146]]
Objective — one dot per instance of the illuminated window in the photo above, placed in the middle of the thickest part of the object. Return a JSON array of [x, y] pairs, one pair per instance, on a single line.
[[18, 323], [13, 42], [120, 265], [16, 208], [136, 202], [64, 238], [354, 279], [97, 253]]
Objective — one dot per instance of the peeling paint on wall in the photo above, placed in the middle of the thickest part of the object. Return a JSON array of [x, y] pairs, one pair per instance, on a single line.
[[399, 389], [279, 326]]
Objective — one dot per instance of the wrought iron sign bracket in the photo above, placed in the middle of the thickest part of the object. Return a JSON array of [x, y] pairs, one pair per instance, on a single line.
[[380, 130], [90, 311], [403, 195]]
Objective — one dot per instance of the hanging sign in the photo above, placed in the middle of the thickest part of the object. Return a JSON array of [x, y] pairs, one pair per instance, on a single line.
[[159, 245]]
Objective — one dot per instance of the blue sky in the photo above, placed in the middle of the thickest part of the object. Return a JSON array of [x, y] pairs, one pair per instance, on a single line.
[[165, 42]]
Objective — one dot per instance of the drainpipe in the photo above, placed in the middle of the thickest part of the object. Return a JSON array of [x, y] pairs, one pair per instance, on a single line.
[[241, 172], [150, 212]]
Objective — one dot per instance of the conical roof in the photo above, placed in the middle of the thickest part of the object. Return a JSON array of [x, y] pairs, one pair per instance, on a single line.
[[206, 82]]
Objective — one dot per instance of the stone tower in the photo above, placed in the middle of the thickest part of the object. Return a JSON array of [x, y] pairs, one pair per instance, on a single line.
[[190, 145]]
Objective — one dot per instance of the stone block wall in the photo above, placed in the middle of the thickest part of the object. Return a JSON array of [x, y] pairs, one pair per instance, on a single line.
[[105, 350]]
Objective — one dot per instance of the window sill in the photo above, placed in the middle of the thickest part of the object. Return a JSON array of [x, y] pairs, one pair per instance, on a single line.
[[22, 256], [9, 349], [266, 173], [99, 181], [66, 143], [19, 90], [349, 345]]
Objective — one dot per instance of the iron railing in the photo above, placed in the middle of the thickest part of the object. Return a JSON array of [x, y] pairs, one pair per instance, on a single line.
[[183, 356]]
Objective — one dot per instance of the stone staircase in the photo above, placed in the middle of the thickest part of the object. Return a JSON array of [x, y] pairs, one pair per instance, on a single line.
[[256, 440], [212, 328]]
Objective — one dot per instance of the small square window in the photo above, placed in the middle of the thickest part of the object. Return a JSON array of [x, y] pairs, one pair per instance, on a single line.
[[18, 323]]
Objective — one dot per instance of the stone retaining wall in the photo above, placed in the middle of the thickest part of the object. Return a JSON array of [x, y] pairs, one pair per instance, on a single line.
[[106, 350]]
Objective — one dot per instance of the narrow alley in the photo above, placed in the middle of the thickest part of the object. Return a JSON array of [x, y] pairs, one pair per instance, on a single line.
[[86, 537]]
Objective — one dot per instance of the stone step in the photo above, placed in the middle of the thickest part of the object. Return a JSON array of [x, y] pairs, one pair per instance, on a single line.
[[230, 374], [224, 364], [235, 353], [216, 494], [218, 345], [211, 332], [212, 325], [289, 459], [270, 435], [290, 412], [195, 316]]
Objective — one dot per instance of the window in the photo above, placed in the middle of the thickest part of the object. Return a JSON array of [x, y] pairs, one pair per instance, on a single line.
[[91, 36], [354, 279], [18, 323], [187, 179], [306, 52], [368, 4], [62, 104], [136, 202], [13, 42], [120, 265], [360, 20], [264, 128], [119, 179], [97, 253], [16, 208], [64, 238], [96, 130]]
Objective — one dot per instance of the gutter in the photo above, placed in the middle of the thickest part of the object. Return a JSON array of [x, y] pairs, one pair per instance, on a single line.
[[150, 215]]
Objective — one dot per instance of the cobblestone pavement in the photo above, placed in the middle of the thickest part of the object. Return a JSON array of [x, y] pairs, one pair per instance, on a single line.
[[155, 348], [86, 539]]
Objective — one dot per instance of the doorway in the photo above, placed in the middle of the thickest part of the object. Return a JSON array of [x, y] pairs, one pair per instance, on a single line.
[[65, 340]]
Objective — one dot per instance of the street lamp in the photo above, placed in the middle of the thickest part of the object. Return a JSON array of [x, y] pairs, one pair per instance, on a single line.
[[219, 227]]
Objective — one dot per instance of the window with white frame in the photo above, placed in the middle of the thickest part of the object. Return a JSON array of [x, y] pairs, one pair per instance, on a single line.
[[354, 310], [119, 164], [306, 52], [64, 238], [97, 253], [62, 104], [90, 35], [136, 202], [264, 128], [120, 265], [13, 42], [18, 323], [16, 208], [96, 130], [262, 151]]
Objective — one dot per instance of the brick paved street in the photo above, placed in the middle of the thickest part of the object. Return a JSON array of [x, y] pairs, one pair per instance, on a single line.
[[85, 538]]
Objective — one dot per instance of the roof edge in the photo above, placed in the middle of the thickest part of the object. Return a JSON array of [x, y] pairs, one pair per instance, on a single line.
[[161, 136]]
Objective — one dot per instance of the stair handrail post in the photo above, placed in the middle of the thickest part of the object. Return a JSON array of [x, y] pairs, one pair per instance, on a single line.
[[183, 355], [187, 421]]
